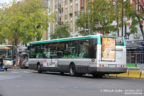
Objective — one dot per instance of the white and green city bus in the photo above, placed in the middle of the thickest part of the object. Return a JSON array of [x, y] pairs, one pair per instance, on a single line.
[[94, 54], [8, 52]]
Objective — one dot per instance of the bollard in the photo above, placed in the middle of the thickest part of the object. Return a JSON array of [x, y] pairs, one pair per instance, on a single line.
[[128, 73], [140, 75]]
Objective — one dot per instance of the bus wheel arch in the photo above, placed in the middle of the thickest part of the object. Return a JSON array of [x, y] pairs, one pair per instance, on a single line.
[[39, 68]]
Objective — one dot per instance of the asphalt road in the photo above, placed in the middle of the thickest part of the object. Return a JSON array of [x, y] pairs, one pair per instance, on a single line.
[[24, 82]]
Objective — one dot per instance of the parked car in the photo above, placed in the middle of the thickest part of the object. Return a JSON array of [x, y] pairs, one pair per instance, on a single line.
[[24, 64], [23, 60]]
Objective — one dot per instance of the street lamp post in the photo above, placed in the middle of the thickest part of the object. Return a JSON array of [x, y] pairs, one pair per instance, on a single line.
[[122, 16], [88, 22]]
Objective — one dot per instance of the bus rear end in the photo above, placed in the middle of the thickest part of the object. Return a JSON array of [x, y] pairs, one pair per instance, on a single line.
[[111, 55], [6, 51]]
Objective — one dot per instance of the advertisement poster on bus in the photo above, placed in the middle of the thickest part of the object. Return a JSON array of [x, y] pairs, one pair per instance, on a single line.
[[50, 63], [108, 48]]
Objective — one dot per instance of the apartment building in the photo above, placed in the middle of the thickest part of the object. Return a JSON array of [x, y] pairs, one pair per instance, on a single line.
[[66, 13]]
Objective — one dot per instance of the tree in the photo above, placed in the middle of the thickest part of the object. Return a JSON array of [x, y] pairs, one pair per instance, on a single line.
[[140, 16], [99, 17], [102, 13], [61, 31], [24, 21], [82, 22], [123, 9], [2, 36], [136, 16]]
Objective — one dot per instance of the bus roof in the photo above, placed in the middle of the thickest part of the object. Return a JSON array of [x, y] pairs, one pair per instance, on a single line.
[[72, 39], [4, 47], [65, 39]]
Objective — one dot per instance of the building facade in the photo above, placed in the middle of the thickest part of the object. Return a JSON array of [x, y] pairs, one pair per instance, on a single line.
[[66, 13]]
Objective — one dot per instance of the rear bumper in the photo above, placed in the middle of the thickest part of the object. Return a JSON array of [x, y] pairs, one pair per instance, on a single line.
[[106, 70], [25, 65]]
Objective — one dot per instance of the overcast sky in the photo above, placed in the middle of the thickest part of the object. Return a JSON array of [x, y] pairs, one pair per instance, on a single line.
[[5, 1]]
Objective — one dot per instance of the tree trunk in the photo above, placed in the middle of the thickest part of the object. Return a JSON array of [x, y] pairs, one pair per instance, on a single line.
[[15, 48], [117, 26], [140, 25], [141, 28]]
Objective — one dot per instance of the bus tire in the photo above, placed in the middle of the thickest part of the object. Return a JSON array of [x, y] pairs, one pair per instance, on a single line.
[[39, 68], [72, 70]]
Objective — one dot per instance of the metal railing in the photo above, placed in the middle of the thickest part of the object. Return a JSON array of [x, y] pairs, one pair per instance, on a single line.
[[135, 57]]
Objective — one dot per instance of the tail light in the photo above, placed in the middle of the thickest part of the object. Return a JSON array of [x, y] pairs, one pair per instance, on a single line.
[[122, 66], [25, 63], [101, 65]]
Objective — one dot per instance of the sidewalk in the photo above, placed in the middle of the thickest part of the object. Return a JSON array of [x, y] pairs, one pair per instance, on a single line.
[[134, 72]]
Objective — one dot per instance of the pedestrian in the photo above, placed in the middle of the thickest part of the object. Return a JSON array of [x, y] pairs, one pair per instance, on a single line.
[[1, 63]]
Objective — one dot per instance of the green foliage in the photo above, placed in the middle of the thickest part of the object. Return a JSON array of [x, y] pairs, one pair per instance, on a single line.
[[24, 21], [82, 22], [1, 34], [101, 14], [99, 17], [129, 12], [61, 31]]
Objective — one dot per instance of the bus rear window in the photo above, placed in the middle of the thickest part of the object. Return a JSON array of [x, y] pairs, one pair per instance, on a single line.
[[119, 41]]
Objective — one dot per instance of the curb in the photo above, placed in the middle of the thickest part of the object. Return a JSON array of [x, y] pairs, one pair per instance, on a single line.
[[131, 73]]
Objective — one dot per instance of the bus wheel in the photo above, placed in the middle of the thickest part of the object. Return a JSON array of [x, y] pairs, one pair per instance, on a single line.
[[39, 68], [72, 70]]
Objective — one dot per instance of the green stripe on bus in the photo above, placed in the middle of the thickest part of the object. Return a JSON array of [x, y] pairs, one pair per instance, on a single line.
[[76, 38], [62, 40]]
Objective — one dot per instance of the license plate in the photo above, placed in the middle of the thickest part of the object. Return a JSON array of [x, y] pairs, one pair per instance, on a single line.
[[112, 65]]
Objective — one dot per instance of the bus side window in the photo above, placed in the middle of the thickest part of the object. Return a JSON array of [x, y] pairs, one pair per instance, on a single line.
[[66, 52], [39, 52], [59, 54], [83, 48], [87, 48], [32, 52], [46, 52]]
